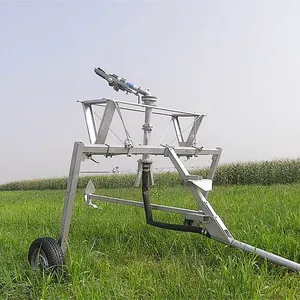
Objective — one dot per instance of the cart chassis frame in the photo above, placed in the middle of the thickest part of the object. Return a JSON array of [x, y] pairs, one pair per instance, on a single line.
[[211, 224]]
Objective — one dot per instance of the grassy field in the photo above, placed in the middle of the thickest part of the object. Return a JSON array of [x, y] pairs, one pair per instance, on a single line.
[[113, 254]]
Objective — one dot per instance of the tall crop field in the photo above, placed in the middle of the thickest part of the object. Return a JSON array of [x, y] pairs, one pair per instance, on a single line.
[[263, 173]]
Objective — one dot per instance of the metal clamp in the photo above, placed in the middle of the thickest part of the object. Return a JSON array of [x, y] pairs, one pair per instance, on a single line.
[[129, 145], [107, 152], [89, 201], [147, 127], [89, 156], [197, 150]]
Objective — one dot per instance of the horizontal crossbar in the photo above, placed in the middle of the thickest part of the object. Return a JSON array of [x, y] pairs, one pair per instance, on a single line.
[[101, 149], [183, 211], [141, 107]]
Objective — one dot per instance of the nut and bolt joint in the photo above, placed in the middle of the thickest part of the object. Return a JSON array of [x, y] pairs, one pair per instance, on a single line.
[[149, 100], [147, 127]]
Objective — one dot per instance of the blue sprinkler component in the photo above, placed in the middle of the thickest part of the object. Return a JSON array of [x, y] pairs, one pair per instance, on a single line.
[[131, 85]]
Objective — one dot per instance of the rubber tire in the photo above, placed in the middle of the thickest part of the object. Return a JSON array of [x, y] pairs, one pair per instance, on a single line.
[[46, 254]]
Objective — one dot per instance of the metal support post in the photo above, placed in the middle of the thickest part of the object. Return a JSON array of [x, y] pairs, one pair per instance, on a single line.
[[213, 169], [70, 194], [90, 122], [147, 128]]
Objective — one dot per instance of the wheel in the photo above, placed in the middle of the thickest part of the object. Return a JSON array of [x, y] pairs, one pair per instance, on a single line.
[[45, 253]]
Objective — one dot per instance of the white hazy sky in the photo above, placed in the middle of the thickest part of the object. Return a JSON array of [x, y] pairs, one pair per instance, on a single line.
[[237, 61]]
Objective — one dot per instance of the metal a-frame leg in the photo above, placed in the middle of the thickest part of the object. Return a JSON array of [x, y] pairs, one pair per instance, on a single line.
[[199, 187], [215, 227], [213, 168], [70, 194]]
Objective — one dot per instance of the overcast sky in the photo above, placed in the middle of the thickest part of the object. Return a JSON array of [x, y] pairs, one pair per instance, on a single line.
[[236, 61]]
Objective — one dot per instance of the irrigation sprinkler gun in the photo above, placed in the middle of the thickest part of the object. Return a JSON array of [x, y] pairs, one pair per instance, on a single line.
[[47, 252]]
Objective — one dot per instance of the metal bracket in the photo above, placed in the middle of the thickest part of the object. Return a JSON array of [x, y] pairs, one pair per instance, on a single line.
[[108, 154], [90, 189], [198, 150]]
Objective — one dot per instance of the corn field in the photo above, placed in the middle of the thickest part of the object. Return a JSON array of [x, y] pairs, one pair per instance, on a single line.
[[262, 173]]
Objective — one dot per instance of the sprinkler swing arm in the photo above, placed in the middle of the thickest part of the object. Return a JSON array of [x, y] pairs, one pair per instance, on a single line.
[[47, 252]]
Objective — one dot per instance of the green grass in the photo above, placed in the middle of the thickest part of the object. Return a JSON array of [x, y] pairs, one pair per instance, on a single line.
[[113, 254]]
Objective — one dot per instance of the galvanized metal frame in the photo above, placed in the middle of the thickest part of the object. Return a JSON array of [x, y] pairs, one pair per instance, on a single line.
[[211, 224], [110, 106]]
